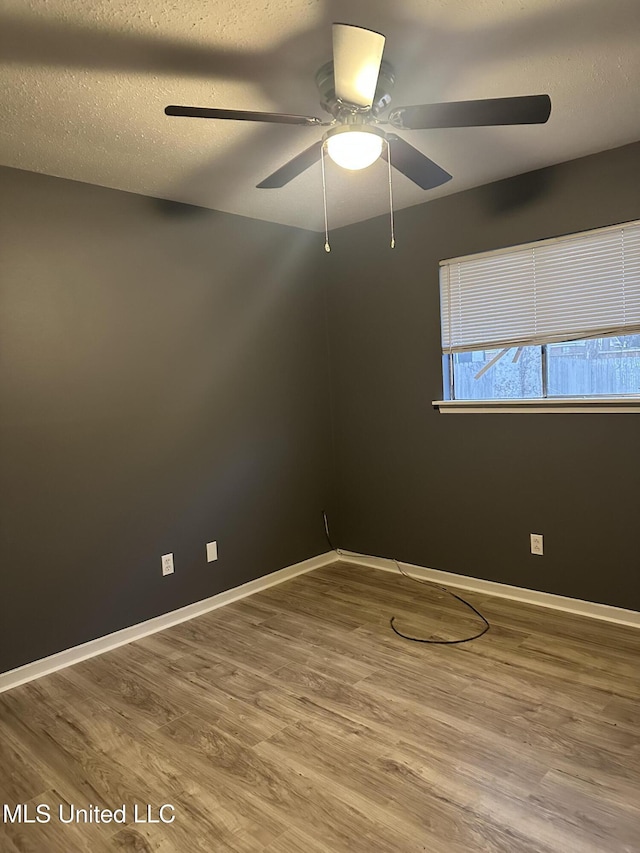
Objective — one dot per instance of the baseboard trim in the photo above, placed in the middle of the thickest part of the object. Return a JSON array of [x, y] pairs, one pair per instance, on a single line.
[[68, 657], [592, 609], [61, 660]]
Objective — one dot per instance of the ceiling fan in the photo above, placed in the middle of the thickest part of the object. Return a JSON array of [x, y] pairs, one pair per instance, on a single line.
[[355, 87]]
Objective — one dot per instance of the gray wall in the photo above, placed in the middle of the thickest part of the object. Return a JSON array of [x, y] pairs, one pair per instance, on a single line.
[[463, 492], [163, 383]]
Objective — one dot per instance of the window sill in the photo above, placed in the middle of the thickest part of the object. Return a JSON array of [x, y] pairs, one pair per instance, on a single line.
[[563, 405]]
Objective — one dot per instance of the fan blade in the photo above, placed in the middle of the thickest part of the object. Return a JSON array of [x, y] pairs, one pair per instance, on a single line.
[[528, 109], [239, 115], [357, 54], [414, 164], [293, 168]]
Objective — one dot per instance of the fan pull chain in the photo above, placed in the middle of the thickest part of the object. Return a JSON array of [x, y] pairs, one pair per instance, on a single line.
[[393, 236], [327, 247]]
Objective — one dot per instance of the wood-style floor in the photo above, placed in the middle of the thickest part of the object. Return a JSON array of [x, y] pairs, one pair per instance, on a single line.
[[295, 721]]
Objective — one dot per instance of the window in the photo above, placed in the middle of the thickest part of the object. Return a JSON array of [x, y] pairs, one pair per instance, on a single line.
[[549, 321]]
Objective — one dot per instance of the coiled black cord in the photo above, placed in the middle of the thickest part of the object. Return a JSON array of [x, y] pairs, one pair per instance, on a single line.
[[426, 583]]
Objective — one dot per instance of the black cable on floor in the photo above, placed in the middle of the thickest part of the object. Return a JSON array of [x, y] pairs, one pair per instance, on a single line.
[[427, 583]]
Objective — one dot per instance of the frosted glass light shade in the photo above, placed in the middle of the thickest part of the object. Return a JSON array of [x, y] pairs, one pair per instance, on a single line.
[[355, 149]]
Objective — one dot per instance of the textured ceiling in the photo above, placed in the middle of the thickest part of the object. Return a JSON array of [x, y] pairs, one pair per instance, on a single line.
[[84, 84]]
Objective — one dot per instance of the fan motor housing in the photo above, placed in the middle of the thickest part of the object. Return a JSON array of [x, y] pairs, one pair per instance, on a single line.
[[333, 106]]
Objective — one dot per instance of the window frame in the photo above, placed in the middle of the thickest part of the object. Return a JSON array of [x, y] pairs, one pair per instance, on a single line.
[[545, 403]]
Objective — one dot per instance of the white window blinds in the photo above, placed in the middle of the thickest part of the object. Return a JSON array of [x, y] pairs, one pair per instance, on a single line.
[[585, 285]]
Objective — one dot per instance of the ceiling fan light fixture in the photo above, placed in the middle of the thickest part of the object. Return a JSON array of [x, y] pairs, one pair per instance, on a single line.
[[354, 148]]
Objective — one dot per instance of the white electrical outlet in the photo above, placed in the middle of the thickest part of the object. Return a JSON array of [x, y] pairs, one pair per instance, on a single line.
[[536, 544], [212, 552], [167, 564]]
